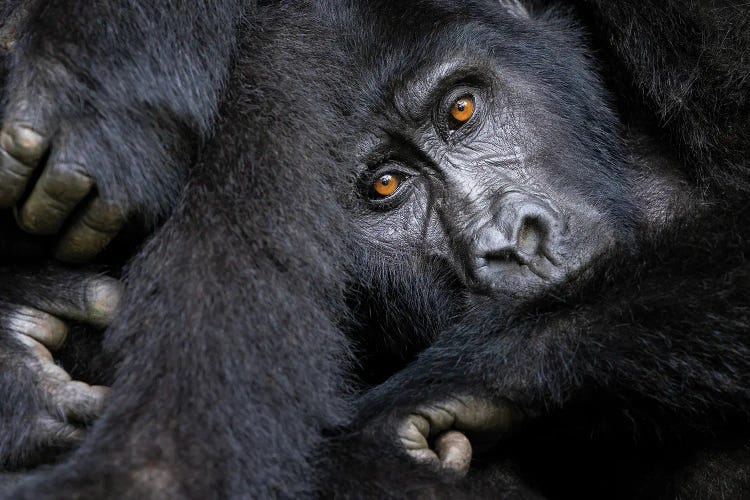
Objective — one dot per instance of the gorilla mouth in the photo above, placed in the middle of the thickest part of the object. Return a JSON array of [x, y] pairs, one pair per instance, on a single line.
[[539, 264], [510, 271]]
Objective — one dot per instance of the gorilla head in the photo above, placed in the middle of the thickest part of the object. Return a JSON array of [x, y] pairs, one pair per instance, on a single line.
[[489, 166], [497, 161]]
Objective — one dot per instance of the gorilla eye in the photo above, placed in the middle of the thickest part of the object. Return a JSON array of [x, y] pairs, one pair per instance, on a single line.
[[462, 110], [386, 185]]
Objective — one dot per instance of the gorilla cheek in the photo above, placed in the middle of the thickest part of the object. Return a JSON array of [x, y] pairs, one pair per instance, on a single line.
[[411, 228]]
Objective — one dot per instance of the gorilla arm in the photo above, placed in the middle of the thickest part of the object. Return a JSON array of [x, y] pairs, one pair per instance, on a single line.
[[674, 320], [101, 103], [221, 392]]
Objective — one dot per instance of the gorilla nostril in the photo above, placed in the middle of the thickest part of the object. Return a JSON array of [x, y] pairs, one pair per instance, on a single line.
[[531, 236]]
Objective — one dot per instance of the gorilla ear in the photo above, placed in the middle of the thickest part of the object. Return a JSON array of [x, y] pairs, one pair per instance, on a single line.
[[515, 8]]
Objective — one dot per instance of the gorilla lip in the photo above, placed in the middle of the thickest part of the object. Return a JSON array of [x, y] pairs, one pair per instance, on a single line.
[[490, 275]]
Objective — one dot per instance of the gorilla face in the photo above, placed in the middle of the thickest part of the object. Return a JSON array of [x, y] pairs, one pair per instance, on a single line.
[[500, 164]]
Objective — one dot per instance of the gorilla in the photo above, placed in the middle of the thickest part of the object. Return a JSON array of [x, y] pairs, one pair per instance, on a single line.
[[460, 250]]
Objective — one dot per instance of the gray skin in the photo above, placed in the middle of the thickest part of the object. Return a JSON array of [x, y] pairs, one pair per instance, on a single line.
[[484, 197], [479, 197], [41, 327]]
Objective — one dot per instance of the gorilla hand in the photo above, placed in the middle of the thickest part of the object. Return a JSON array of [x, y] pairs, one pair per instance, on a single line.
[[62, 186], [90, 136], [447, 424], [64, 183], [45, 411]]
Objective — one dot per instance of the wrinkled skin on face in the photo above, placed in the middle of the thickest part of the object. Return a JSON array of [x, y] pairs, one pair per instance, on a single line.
[[513, 197]]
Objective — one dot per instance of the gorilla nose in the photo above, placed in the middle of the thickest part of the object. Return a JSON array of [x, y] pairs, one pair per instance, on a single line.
[[518, 243]]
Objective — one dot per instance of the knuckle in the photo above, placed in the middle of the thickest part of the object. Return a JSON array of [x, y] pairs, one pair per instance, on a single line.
[[21, 320], [91, 232], [13, 168], [61, 187], [14, 176], [38, 350], [67, 171], [38, 325], [56, 431], [106, 210], [103, 217], [41, 215], [22, 142], [67, 182], [55, 375]]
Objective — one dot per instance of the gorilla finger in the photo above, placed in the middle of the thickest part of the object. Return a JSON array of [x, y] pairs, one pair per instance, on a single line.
[[79, 401], [14, 176], [91, 232], [57, 434], [412, 435], [24, 143], [39, 352], [425, 456], [454, 452], [90, 299], [52, 375], [60, 188], [103, 297], [476, 416], [21, 148], [39, 325], [485, 420]]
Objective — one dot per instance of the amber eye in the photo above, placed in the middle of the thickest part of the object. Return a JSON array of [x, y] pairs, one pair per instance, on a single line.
[[462, 110], [386, 185]]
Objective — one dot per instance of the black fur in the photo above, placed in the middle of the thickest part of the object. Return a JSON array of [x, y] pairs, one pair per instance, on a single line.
[[234, 348]]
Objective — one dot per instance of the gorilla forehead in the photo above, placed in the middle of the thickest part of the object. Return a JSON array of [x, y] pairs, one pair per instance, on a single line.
[[417, 38]]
